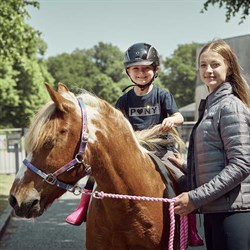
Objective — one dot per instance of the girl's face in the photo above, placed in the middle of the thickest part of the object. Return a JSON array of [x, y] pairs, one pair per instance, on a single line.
[[141, 74], [213, 69]]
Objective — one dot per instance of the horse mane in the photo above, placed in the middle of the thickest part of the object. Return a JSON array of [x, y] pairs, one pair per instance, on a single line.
[[153, 138], [34, 134]]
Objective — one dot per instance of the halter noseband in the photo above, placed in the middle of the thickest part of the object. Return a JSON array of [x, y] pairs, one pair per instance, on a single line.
[[52, 177]]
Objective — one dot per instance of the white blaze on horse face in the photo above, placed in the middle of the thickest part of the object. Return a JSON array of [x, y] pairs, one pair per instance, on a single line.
[[27, 193], [22, 169]]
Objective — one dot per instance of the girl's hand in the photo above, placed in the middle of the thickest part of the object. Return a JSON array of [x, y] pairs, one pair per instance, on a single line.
[[183, 205], [177, 159]]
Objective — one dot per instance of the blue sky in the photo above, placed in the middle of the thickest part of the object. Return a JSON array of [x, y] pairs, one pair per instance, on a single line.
[[70, 24]]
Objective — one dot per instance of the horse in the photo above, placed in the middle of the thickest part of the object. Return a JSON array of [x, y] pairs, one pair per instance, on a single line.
[[76, 135]]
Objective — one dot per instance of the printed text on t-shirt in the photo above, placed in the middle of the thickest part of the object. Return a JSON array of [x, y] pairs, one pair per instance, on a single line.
[[144, 111]]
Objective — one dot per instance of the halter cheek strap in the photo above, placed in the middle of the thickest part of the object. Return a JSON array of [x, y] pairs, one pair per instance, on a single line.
[[52, 177], [84, 139]]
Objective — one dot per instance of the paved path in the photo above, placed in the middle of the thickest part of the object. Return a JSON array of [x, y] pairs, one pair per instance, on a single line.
[[50, 231]]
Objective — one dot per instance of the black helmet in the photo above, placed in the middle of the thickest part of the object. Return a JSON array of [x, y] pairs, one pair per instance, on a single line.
[[141, 54]]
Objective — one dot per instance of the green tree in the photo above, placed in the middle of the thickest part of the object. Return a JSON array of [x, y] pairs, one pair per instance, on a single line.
[[21, 74], [106, 89], [31, 91], [17, 38], [74, 70], [97, 70], [180, 74], [109, 60], [232, 7]]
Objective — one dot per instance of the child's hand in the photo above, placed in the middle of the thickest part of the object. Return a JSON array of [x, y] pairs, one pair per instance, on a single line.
[[167, 124]]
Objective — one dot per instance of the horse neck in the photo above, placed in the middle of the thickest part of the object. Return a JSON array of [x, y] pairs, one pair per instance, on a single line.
[[119, 165]]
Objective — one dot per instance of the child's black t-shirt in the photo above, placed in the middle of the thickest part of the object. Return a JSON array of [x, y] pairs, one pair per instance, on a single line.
[[146, 111]]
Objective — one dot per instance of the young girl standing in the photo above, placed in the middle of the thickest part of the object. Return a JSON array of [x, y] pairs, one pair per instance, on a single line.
[[218, 162]]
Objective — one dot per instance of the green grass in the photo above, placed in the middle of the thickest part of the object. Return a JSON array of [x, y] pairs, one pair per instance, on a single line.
[[5, 185]]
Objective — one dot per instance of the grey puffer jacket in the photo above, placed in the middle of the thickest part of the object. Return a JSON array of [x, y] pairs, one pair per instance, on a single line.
[[219, 155]]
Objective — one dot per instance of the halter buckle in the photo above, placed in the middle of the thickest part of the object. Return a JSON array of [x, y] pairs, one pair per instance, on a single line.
[[85, 137], [51, 179], [79, 157], [76, 190]]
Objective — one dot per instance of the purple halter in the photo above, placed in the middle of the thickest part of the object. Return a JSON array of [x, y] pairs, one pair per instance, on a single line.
[[51, 178]]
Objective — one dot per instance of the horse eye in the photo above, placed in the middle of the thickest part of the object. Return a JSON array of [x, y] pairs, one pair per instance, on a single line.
[[49, 143], [63, 131]]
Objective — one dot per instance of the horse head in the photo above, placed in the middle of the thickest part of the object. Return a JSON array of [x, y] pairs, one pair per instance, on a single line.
[[53, 140]]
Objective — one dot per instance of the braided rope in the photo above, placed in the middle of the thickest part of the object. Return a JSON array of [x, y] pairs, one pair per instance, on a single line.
[[172, 225], [184, 232], [183, 219]]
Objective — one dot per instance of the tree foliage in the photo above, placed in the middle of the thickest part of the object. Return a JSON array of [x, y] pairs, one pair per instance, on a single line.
[[21, 74], [232, 7], [109, 60], [180, 73], [16, 37], [98, 70]]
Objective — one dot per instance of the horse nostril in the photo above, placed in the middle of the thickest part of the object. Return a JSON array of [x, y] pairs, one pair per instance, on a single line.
[[12, 200], [34, 203]]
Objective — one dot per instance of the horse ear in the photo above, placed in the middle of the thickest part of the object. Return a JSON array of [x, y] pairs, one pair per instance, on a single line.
[[62, 88], [61, 102]]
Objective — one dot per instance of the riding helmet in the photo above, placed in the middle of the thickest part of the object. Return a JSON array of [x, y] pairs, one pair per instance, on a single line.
[[141, 54]]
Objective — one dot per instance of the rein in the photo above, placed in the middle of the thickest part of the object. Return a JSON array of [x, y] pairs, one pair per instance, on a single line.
[[51, 178]]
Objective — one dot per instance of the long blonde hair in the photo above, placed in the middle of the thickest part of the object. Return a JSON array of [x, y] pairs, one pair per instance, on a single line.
[[235, 77]]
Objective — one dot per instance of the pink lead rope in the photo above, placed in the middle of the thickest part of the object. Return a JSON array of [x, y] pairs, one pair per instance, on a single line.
[[183, 219]]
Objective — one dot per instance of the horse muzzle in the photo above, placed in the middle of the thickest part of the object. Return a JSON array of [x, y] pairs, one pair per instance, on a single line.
[[27, 209]]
